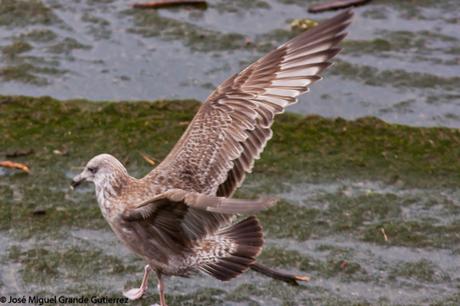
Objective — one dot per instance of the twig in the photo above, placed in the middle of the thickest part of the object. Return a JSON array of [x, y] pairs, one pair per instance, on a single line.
[[13, 165], [148, 158], [385, 237], [335, 5], [166, 3], [39, 211]]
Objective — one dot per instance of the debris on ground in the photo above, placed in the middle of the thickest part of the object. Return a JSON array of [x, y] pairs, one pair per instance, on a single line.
[[149, 159], [303, 24], [19, 153], [14, 165], [343, 264], [39, 211], [169, 3], [385, 237], [62, 152]]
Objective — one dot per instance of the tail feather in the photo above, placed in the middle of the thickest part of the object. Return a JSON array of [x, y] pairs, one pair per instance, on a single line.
[[233, 249], [285, 277]]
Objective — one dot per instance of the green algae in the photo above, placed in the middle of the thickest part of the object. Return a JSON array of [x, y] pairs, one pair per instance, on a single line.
[[152, 24], [300, 218], [241, 293], [240, 6], [28, 73], [410, 10], [99, 27], [421, 233], [396, 77], [266, 42], [276, 257], [338, 148], [39, 36], [363, 216], [40, 265], [296, 2], [334, 264], [452, 300], [420, 42], [23, 68], [345, 153], [66, 46], [367, 46], [324, 149], [441, 99], [22, 73], [400, 107], [15, 13], [16, 48], [206, 296], [422, 270], [375, 13]]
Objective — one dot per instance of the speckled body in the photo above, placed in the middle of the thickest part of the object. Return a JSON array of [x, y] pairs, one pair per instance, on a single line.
[[118, 191]]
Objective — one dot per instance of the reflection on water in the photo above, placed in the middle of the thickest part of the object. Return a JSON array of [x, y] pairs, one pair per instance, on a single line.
[[399, 64]]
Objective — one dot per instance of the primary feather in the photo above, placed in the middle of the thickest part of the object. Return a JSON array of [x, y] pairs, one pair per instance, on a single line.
[[233, 126]]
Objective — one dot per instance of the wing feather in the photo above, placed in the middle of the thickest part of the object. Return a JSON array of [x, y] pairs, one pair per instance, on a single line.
[[233, 126]]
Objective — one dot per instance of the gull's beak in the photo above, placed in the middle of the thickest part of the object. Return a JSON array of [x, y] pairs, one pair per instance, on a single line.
[[76, 181]]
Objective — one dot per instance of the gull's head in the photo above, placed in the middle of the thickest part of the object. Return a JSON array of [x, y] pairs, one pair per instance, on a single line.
[[99, 170]]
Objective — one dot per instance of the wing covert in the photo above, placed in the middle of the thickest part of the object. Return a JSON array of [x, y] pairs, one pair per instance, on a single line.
[[232, 127]]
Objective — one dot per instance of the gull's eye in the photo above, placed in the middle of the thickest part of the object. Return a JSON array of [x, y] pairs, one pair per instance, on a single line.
[[92, 169]]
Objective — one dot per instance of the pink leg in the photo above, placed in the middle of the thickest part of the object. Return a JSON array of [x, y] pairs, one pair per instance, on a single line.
[[161, 290], [137, 293]]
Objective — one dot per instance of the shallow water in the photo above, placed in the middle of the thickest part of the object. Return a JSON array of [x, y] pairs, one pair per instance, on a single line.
[[344, 267], [103, 50], [400, 64]]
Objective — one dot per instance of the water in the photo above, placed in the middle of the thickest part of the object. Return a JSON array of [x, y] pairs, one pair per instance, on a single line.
[[343, 267], [400, 64], [104, 50]]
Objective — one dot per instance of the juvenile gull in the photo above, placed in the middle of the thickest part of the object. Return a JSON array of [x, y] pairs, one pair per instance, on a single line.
[[179, 217]]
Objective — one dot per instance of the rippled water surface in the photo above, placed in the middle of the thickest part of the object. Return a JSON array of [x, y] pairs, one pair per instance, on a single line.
[[371, 213], [400, 61]]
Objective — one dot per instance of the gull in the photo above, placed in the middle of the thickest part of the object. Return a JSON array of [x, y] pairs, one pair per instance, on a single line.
[[180, 217]]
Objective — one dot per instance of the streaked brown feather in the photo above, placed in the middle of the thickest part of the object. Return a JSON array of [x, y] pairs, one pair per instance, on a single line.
[[233, 126]]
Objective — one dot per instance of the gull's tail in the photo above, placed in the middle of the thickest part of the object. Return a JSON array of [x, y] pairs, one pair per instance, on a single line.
[[285, 277], [232, 250]]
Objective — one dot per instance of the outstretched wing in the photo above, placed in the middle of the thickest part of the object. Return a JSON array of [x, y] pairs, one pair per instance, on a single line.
[[233, 126]]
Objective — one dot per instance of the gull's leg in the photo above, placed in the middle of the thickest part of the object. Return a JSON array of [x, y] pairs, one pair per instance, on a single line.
[[137, 293], [161, 290]]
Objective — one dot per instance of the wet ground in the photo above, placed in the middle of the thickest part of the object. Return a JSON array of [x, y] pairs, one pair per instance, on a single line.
[[344, 186], [400, 61]]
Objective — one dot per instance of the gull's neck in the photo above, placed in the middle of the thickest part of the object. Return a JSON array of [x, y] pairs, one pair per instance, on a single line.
[[110, 189]]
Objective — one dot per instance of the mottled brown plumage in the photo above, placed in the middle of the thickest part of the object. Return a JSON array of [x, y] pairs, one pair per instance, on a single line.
[[179, 216]]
